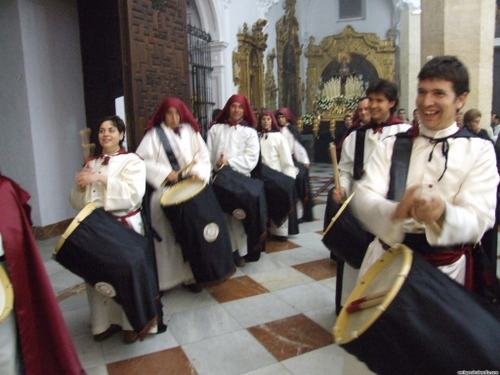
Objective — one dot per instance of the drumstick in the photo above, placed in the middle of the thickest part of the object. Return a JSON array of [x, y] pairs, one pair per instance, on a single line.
[[369, 297], [338, 213], [364, 305], [186, 166], [335, 166]]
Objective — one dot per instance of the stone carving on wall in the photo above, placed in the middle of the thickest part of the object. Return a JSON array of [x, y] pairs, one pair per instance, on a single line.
[[341, 67], [270, 83], [248, 63], [289, 51]]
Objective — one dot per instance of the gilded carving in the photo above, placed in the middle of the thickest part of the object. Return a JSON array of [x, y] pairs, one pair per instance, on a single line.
[[248, 63], [289, 51], [338, 51], [270, 83]]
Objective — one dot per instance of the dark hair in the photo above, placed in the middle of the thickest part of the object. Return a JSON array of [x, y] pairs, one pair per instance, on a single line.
[[448, 68], [363, 98], [346, 116], [401, 109], [470, 115], [387, 88], [117, 123]]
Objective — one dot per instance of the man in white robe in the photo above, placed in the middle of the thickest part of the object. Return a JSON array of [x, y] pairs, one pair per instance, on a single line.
[[450, 194], [187, 145], [276, 155], [232, 141]]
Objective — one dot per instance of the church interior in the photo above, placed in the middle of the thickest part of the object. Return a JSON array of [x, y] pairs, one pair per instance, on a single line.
[[68, 63]]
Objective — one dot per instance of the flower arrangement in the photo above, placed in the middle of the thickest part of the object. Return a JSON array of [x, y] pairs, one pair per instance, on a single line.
[[322, 103], [308, 120]]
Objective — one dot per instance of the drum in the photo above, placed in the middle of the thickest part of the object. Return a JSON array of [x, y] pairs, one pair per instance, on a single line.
[[280, 194], [201, 230], [6, 294], [114, 259], [343, 235], [244, 198], [420, 321]]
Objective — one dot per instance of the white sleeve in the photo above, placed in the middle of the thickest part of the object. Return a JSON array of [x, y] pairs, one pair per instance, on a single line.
[[126, 189], [157, 165], [346, 163]]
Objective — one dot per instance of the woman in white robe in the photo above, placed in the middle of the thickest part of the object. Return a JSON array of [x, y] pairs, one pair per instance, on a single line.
[[115, 181], [275, 154], [175, 120]]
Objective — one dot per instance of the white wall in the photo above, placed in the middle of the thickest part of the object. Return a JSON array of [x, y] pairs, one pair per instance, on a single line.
[[50, 112]]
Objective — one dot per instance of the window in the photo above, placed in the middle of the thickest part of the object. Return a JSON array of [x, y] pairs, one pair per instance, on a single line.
[[349, 9]]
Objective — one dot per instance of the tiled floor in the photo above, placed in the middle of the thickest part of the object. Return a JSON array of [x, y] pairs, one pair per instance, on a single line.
[[273, 317]]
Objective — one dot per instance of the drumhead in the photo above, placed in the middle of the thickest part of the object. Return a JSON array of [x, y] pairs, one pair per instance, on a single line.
[[182, 192], [86, 211], [6, 295], [387, 274]]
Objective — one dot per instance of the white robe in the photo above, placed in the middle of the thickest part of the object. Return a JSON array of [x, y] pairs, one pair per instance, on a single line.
[[276, 155], [372, 139], [468, 188], [123, 194], [346, 171], [172, 269], [298, 151], [239, 145]]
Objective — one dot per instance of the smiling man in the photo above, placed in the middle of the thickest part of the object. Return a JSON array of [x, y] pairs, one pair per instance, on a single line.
[[448, 200], [376, 112]]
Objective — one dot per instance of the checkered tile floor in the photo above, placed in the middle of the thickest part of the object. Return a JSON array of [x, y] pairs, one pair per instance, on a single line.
[[274, 316]]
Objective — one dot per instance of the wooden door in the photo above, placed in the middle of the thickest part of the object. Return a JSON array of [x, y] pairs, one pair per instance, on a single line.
[[154, 58]]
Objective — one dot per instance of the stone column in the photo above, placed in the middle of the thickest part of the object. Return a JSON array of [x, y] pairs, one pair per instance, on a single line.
[[465, 29], [409, 58]]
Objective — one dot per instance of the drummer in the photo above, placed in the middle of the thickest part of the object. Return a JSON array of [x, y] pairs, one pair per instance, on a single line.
[[287, 123], [115, 181], [34, 335], [275, 154], [450, 195], [381, 101], [171, 142], [233, 141]]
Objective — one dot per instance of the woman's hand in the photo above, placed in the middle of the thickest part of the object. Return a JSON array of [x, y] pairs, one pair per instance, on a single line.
[[339, 195], [86, 177]]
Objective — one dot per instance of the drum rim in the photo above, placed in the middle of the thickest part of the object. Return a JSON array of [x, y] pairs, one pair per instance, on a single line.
[[178, 186], [341, 323], [6, 285], [86, 211]]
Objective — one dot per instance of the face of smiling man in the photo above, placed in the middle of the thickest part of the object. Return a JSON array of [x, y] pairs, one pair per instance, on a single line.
[[437, 103]]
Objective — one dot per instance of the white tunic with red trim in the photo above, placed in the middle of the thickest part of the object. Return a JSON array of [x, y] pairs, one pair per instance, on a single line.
[[122, 197]]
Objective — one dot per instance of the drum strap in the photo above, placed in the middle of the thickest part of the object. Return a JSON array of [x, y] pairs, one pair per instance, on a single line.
[[168, 148], [359, 154]]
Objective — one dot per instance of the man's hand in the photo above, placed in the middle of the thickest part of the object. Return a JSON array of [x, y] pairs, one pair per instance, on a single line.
[[339, 195], [172, 177]]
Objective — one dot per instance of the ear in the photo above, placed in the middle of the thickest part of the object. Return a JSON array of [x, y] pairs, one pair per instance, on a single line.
[[460, 101], [392, 104]]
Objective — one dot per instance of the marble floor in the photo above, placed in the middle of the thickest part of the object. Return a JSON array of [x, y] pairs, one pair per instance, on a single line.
[[273, 317]]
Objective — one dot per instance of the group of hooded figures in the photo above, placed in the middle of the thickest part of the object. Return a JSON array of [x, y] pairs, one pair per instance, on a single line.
[[205, 207]]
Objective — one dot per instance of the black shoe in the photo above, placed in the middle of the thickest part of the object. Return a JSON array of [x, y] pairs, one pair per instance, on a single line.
[[113, 328], [193, 288], [279, 238], [239, 261]]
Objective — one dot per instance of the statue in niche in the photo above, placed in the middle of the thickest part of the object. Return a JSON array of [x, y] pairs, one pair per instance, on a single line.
[[349, 75]]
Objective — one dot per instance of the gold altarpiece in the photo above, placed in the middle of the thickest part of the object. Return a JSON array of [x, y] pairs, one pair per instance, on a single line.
[[248, 63], [289, 51], [366, 49]]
